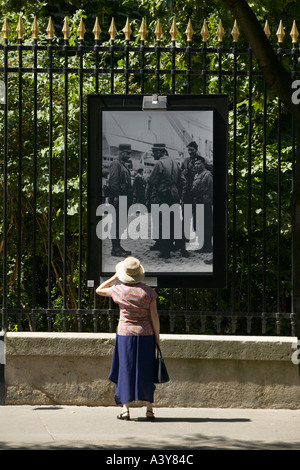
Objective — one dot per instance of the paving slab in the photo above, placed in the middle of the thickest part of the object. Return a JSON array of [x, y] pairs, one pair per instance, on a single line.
[[96, 428]]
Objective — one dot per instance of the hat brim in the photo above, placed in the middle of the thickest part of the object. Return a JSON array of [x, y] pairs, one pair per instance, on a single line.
[[125, 277]]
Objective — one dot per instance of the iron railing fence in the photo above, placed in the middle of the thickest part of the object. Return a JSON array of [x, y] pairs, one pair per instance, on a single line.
[[43, 178]]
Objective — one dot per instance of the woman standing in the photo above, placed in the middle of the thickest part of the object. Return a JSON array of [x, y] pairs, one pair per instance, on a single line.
[[137, 333]]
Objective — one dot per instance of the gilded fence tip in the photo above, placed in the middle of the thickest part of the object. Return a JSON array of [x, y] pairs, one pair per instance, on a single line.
[[97, 29], [81, 30], [112, 30], [66, 29], [220, 32], [158, 31], [235, 32], [50, 29], [173, 31], [267, 29], [143, 30], [35, 29], [127, 30], [280, 32], [204, 31], [189, 31], [5, 29], [294, 33], [20, 29]]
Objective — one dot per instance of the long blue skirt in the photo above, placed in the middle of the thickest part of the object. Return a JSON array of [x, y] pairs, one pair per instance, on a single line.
[[132, 368]]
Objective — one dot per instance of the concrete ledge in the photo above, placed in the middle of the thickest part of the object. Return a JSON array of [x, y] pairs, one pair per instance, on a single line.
[[60, 344], [174, 346], [205, 371]]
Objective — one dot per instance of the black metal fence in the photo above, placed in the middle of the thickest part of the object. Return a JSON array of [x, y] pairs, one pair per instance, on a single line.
[[43, 177]]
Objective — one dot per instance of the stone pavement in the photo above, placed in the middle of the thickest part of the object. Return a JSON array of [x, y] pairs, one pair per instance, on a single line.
[[63, 427]]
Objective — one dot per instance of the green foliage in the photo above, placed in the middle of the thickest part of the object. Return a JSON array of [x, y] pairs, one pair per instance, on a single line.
[[245, 142]]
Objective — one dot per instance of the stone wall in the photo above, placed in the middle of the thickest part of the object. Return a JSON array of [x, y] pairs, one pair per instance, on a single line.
[[205, 371]]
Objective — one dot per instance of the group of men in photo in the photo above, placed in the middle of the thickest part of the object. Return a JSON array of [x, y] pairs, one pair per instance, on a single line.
[[190, 182]]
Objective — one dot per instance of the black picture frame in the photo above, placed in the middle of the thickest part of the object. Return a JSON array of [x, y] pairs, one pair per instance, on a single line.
[[176, 271]]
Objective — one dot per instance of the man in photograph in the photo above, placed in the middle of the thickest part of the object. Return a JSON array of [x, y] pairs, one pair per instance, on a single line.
[[202, 193], [139, 187], [189, 171], [119, 185], [164, 186]]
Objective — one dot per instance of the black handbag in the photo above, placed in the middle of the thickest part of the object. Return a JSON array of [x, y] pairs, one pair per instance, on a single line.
[[161, 375]]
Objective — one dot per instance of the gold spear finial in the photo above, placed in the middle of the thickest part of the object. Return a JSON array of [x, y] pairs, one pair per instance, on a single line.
[[127, 30], [220, 32], [20, 28], [267, 29], [204, 31], [235, 32], [50, 29], [5, 29], [35, 29], [158, 31], [189, 31], [112, 30], [173, 31], [143, 30], [97, 29], [294, 33], [81, 30], [280, 32], [66, 29]]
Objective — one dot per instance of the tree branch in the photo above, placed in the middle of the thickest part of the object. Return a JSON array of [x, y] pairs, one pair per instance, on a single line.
[[276, 76]]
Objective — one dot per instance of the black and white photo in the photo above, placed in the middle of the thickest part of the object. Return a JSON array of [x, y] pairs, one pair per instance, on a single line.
[[155, 189]]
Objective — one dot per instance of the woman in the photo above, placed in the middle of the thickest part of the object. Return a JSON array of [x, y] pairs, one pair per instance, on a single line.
[[137, 334]]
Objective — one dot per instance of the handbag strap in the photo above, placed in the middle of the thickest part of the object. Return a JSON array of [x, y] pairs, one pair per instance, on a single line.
[[158, 351]]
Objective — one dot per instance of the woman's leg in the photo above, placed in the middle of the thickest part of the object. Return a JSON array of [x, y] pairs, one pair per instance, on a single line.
[[149, 406], [149, 412], [125, 415], [126, 408]]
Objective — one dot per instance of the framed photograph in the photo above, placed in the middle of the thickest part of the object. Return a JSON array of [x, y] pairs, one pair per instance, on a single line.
[[157, 187]]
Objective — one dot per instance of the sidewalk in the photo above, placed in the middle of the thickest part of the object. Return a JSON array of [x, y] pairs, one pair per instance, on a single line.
[[96, 428]]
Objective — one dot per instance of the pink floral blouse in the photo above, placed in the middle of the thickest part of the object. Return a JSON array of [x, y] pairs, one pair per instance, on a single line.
[[134, 303]]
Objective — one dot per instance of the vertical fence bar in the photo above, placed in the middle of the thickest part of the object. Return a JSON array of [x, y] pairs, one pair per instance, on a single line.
[[157, 50], [220, 67], [34, 227], [293, 333], [142, 71], [173, 49], [264, 265], [80, 173], [66, 107], [49, 270], [204, 74], [5, 176], [250, 188], [279, 211], [112, 55], [96, 68], [126, 67], [20, 175], [188, 50], [234, 181]]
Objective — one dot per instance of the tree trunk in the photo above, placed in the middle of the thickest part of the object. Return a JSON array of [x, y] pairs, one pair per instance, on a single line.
[[280, 82]]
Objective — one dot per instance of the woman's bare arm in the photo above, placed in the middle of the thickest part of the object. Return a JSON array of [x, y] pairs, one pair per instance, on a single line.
[[155, 320], [104, 288]]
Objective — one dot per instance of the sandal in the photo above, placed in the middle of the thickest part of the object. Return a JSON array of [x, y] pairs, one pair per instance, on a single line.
[[125, 416], [150, 415]]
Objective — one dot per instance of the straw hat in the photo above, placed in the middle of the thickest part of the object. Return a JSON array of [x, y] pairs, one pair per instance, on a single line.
[[130, 270]]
